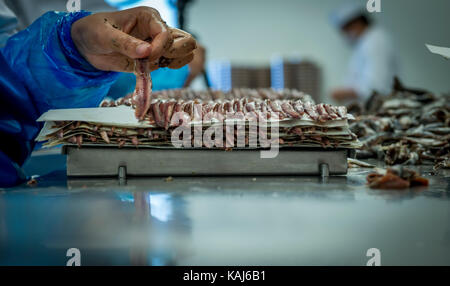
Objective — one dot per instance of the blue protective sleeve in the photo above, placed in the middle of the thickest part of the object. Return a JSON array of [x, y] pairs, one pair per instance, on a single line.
[[46, 60], [41, 69]]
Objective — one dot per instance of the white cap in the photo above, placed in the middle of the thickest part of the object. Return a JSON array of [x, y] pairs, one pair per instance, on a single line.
[[344, 14]]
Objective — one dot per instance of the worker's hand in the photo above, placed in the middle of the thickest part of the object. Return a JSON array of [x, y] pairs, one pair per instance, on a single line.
[[113, 41], [344, 94], [197, 65], [182, 50]]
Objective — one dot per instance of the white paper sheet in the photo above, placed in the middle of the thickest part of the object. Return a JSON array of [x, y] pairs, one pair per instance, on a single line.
[[46, 130], [124, 116], [116, 116], [442, 51]]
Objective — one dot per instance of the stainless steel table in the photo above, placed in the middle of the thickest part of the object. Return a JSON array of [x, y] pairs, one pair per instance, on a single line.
[[95, 161], [246, 220]]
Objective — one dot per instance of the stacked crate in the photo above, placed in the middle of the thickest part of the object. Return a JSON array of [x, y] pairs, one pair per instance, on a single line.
[[250, 77], [296, 74]]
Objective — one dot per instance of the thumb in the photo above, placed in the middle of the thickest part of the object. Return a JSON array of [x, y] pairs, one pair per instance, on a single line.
[[127, 45]]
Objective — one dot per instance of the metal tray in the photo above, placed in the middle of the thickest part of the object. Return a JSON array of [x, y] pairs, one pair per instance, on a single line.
[[90, 161]]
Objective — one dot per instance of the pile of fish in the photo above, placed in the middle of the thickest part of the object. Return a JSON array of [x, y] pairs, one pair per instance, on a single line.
[[408, 127], [243, 118], [396, 178]]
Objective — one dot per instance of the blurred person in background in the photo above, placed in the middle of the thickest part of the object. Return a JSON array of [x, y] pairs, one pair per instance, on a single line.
[[373, 64]]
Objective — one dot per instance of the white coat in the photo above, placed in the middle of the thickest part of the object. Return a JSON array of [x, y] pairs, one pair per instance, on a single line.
[[373, 64]]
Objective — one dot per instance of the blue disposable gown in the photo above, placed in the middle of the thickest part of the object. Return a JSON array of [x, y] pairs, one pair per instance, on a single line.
[[40, 69]]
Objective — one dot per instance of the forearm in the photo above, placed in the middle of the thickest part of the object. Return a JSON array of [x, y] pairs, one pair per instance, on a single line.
[[48, 63]]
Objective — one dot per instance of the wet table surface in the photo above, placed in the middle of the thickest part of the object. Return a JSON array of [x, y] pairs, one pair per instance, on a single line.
[[222, 220]]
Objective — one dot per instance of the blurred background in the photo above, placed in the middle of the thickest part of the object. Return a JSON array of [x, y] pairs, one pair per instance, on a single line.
[[290, 43], [254, 31]]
